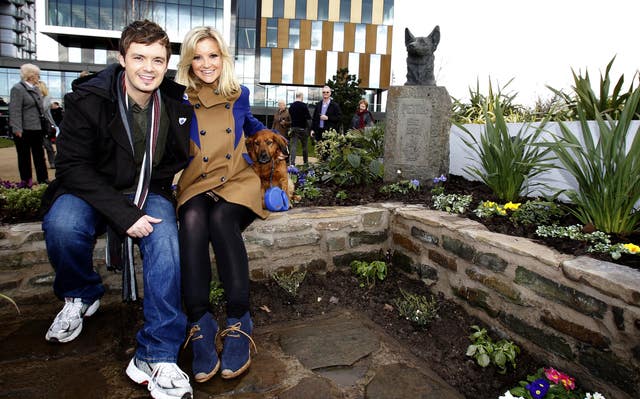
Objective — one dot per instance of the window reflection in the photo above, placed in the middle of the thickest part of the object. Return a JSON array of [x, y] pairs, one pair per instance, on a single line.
[[323, 10], [301, 9], [265, 65], [332, 64], [316, 35], [294, 33], [278, 8], [287, 66], [367, 11], [309, 67], [345, 10], [354, 63], [374, 71], [387, 12], [360, 38], [381, 41], [272, 32], [338, 36]]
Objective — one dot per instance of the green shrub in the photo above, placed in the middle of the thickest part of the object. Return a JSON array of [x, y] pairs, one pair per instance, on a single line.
[[21, 203], [401, 187], [368, 272], [507, 163], [417, 308], [537, 212], [607, 172], [452, 203], [290, 282], [487, 352]]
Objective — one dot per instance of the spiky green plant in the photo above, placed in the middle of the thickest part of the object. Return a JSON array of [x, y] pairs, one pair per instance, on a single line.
[[606, 170], [507, 163]]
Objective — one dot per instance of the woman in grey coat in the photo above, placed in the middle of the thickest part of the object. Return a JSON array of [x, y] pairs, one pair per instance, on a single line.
[[24, 117]]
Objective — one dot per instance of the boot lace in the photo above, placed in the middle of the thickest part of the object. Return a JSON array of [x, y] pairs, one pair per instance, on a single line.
[[236, 328]]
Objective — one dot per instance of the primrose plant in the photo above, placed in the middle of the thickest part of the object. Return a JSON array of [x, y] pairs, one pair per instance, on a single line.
[[368, 272]]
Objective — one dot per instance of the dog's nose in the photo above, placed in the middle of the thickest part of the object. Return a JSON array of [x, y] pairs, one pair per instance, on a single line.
[[264, 157]]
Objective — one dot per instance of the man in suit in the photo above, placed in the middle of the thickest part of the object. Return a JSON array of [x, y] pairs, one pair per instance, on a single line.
[[299, 122], [326, 115]]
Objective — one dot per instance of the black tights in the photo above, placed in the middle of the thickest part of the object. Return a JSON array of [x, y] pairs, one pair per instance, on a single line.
[[202, 220]]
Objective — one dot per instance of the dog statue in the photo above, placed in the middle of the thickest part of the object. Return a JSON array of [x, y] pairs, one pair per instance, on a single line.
[[269, 152], [420, 57]]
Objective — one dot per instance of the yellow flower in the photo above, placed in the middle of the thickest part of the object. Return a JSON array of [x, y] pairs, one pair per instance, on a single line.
[[489, 204], [632, 248], [511, 206]]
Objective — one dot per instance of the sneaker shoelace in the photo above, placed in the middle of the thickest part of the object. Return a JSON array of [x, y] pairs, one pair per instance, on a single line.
[[167, 376], [236, 328], [71, 310]]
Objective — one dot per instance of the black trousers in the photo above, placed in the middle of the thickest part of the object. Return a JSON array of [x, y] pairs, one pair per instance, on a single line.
[[206, 219], [28, 146]]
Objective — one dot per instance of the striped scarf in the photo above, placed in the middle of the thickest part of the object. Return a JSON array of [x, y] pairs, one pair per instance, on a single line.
[[119, 253]]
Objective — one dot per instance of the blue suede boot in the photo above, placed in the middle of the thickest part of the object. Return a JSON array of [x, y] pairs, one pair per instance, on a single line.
[[236, 350], [202, 335]]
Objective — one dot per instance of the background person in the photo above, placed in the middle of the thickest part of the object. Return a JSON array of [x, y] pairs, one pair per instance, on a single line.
[[57, 113], [125, 136], [326, 115], [282, 119], [363, 117], [300, 118], [24, 117], [46, 140], [218, 197]]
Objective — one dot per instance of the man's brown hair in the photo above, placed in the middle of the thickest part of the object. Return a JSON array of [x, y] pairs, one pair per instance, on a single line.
[[145, 32]]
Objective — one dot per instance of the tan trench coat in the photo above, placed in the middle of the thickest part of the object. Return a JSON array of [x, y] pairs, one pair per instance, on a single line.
[[221, 163]]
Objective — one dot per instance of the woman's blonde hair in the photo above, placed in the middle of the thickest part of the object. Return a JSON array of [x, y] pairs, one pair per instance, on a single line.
[[43, 88], [227, 83]]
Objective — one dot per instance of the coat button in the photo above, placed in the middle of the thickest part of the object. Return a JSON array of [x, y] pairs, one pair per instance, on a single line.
[[203, 132], [203, 175], [205, 159], [227, 105], [228, 130], [223, 179], [228, 156], [197, 106]]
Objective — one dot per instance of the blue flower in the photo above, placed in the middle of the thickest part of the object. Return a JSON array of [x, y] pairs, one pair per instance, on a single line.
[[538, 388], [292, 169], [415, 183]]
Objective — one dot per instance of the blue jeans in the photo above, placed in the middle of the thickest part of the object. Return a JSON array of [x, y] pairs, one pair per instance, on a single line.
[[71, 227]]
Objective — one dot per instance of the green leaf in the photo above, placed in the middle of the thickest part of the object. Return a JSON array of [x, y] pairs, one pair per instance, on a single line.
[[483, 360]]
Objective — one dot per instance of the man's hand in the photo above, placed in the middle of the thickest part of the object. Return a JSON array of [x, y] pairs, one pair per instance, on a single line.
[[17, 134], [324, 117], [143, 227], [311, 133]]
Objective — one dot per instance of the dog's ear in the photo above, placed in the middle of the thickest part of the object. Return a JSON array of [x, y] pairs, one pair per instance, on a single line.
[[249, 142], [408, 37], [282, 143], [434, 36]]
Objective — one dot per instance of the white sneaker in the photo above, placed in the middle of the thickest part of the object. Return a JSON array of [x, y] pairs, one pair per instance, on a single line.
[[68, 322], [163, 380]]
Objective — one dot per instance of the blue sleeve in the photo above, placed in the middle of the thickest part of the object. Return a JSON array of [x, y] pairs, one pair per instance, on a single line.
[[251, 125]]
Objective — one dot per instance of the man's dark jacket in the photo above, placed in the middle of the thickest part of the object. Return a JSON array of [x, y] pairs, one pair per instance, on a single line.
[[333, 113], [95, 159]]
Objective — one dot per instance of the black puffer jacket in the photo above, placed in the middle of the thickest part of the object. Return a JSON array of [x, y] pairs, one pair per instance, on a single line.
[[95, 160]]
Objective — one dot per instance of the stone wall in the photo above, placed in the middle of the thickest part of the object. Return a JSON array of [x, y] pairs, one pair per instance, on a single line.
[[578, 314]]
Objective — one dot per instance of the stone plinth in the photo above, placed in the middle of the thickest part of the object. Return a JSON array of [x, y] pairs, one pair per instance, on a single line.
[[416, 138]]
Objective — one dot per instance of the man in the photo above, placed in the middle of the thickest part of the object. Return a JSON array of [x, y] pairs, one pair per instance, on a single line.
[[281, 119], [57, 113], [326, 115], [125, 135], [299, 118]]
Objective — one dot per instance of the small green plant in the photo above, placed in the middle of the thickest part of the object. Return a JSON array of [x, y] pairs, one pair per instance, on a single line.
[[216, 293], [452, 203], [305, 182], [600, 242], [342, 195], [290, 282], [487, 352], [368, 272], [537, 212], [417, 308], [438, 185], [21, 203], [401, 187]]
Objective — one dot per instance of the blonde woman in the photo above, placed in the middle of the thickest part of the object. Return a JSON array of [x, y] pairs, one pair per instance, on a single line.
[[46, 109], [218, 197]]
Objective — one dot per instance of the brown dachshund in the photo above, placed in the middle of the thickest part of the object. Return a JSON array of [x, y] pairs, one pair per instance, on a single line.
[[269, 152]]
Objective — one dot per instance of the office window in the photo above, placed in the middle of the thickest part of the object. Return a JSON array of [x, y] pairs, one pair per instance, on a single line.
[[301, 9], [100, 56], [338, 36], [316, 35], [159, 14], [265, 65], [354, 63], [381, 41], [75, 54], [93, 14], [309, 67], [323, 10], [374, 71], [294, 33], [78, 12], [332, 64], [360, 38], [246, 38], [387, 12], [345, 10], [272, 32], [287, 65], [367, 11], [278, 8]]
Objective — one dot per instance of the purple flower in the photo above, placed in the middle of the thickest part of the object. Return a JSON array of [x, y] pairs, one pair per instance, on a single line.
[[440, 179], [415, 183], [538, 388], [292, 170]]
